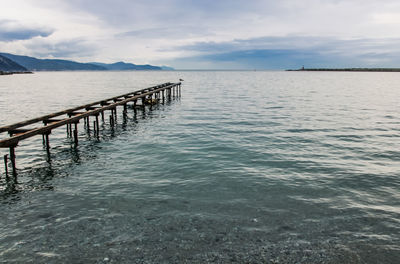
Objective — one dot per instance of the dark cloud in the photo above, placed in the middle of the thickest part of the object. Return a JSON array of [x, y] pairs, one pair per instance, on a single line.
[[291, 42], [293, 52], [262, 59], [11, 30]]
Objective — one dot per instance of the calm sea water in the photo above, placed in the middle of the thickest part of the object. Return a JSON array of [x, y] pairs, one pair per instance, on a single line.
[[259, 167]]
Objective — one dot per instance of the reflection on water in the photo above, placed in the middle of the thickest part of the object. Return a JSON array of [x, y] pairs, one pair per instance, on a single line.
[[39, 178]]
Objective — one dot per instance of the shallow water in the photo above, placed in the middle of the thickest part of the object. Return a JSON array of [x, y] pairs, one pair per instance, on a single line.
[[275, 167]]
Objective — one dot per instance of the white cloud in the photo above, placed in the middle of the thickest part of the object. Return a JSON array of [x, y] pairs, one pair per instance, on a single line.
[[386, 18]]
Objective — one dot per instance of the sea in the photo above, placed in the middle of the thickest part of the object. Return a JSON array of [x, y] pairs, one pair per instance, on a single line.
[[244, 167]]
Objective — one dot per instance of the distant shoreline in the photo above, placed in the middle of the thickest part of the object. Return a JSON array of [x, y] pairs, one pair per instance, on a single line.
[[11, 73], [351, 69]]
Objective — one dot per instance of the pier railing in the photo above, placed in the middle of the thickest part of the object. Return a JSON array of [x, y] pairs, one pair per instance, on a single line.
[[45, 124]]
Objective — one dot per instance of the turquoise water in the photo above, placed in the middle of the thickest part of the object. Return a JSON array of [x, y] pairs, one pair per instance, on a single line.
[[259, 167]]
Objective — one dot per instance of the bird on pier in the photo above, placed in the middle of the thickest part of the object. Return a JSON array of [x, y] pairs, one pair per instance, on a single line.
[[181, 80]]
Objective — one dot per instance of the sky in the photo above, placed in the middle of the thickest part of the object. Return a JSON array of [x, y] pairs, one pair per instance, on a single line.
[[206, 34]]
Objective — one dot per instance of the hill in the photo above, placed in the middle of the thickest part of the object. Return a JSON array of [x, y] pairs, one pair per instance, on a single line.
[[8, 65], [34, 64], [122, 66], [167, 68]]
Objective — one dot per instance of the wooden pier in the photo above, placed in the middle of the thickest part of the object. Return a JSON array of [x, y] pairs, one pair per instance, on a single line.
[[45, 124]]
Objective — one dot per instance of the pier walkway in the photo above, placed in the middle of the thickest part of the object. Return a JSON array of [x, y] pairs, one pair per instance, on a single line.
[[45, 124]]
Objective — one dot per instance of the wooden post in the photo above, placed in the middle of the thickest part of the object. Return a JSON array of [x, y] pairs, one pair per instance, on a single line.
[[102, 116], [97, 124], [143, 104], [163, 97], [76, 134], [6, 165], [47, 142], [111, 120], [125, 109], [134, 106], [12, 158]]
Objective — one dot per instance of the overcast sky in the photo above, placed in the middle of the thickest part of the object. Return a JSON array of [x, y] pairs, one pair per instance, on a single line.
[[206, 34]]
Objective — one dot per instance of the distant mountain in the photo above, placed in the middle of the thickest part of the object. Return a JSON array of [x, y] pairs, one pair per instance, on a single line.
[[8, 65], [33, 64], [122, 66], [167, 68]]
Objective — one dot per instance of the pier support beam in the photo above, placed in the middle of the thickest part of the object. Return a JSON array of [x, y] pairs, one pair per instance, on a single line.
[[134, 106], [144, 104], [97, 124], [125, 110], [47, 142], [94, 128], [76, 134], [6, 165], [114, 110], [111, 120], [69, 130], [12, 158]]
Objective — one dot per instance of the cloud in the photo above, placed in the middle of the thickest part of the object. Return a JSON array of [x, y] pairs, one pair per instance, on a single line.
[[182, 31], [211, 32], [12, 30], [292, 52]]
